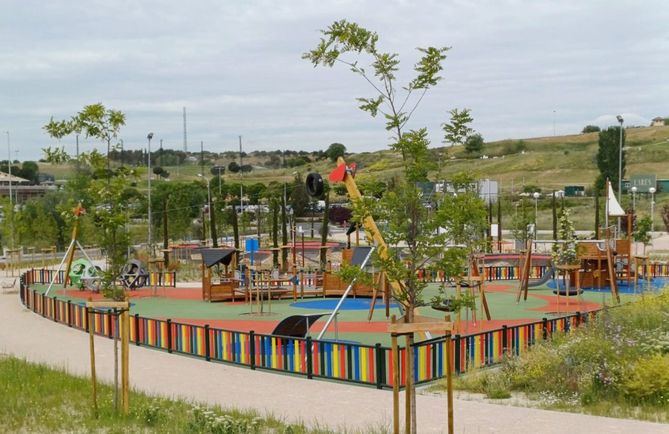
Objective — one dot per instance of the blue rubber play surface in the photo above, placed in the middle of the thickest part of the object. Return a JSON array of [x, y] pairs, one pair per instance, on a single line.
[[349, 304], [623, 288]]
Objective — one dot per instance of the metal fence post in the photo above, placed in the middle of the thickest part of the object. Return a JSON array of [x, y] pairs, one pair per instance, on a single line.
[[207, 350], [169, 335], [379, 365], [310, 360], [252, 349]]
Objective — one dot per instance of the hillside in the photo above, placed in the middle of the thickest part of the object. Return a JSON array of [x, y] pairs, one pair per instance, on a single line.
[[548, 162]]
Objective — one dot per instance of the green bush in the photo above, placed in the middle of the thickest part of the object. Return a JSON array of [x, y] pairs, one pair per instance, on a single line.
[[648, 381], [617, 362]]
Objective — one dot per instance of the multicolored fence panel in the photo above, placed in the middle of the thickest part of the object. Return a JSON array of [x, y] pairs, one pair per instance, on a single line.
[[163, 278], [349, 362]]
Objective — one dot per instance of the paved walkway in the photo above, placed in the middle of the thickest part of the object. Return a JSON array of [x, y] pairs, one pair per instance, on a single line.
[[338, 406]]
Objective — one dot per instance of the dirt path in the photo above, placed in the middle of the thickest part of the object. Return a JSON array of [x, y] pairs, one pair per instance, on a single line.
[[27, 335]]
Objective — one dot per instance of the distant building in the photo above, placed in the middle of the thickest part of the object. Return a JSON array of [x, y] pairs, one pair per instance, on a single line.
[[21, 188], [657, 122], [574, 190]]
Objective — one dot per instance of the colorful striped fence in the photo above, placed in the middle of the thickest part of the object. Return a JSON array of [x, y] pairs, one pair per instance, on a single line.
[[350, 362]]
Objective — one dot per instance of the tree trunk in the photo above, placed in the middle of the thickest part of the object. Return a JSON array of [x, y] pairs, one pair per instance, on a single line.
[[596, 214], [275, 232], [235, 226], [166, 243], [284, 234], [212, 224]]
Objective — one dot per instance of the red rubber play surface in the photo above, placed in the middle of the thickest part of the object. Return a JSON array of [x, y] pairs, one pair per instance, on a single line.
[[186, 305]]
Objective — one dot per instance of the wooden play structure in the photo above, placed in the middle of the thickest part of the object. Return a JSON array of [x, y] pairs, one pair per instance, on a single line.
[[334, 286], [69, 253], [219, 284]]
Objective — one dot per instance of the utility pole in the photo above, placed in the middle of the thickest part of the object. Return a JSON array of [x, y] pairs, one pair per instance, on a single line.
[[11, 200], [185, 135], [241, 187], [202, 157], [150, 240]]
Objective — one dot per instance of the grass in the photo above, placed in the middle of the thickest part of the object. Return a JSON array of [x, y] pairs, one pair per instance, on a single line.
[[617, 365], [549, 162], [35, 398]]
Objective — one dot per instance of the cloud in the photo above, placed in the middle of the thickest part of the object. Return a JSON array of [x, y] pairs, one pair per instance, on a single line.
[[521, 66]]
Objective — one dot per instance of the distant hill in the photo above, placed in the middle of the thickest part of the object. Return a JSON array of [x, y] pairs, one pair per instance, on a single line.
[[548, 162]]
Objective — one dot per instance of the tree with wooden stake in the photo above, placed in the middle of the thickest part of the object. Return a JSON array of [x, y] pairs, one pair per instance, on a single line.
[[120, 308], [413, 238]]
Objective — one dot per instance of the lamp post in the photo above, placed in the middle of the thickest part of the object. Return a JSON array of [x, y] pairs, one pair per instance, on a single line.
[[652, 209], [633, 190], [620, 158], [11, 200], [536, 211], [150, 241]]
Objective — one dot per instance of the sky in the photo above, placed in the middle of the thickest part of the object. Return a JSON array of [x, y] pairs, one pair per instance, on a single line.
[[524, 68]]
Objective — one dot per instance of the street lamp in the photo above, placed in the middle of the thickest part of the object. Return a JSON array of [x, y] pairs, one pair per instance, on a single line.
[[633, 190], [149, 137], [652, 208], [620, 165], [11, 200], [620, 158], [536, 211]]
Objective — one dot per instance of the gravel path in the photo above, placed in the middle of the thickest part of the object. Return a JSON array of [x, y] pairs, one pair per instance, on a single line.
[[338, 406]]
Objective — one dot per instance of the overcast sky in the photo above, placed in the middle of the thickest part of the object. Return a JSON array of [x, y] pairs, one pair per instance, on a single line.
[[521, 66]]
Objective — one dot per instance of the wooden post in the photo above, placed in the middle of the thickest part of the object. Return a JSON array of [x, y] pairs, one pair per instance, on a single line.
[[396, 379], [408, 383], [91, 346], [125, 360], [449, 379]]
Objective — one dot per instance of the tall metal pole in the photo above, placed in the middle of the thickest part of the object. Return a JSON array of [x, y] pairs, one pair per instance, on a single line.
[[241, 187], [620, 159], [620, 167], [149, 137], [185, 136], [11, 200], [652, 208]]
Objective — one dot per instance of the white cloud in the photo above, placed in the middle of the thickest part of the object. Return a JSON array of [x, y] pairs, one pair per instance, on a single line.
[[519, 65]]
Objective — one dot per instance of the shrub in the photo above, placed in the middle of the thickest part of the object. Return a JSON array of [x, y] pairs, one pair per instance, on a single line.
[[648, 380]]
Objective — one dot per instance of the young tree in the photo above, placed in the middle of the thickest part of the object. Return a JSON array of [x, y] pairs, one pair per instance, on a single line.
[[457, 130], [608, 157], [94, 121], [105, 199], [590, 129], [413, 233], [474, 144], [520, 222], [335, 151]]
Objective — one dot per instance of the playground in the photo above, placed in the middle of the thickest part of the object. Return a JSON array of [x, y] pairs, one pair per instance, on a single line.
[[184, 303]]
